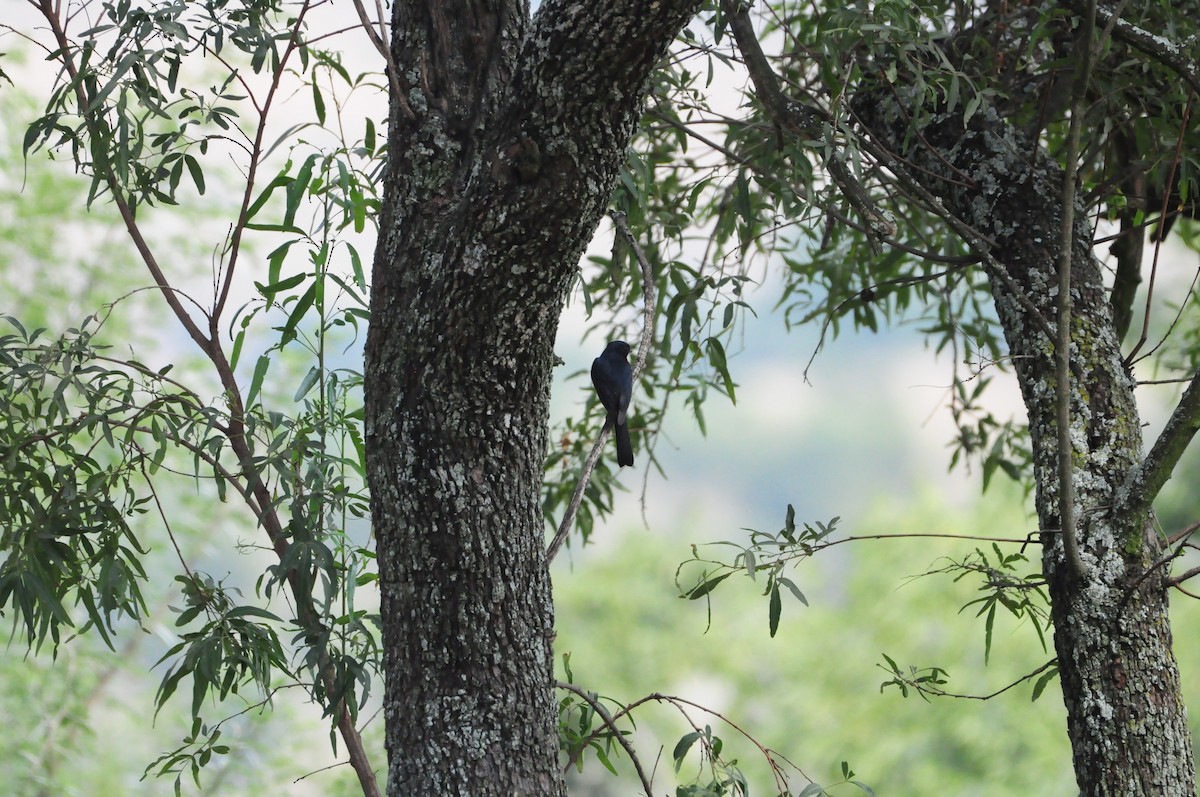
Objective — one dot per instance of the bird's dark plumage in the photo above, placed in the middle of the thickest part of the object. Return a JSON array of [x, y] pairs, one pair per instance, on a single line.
[[613, 379]]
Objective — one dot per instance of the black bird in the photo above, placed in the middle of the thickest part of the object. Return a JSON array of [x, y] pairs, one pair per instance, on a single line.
[[613, 379]]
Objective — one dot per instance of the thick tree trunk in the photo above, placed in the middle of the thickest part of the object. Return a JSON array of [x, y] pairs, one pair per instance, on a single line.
[[1125, 714], [504, 144]]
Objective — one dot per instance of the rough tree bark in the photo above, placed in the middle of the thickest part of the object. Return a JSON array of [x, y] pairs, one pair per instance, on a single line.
[[1125, 713], [505, 141]]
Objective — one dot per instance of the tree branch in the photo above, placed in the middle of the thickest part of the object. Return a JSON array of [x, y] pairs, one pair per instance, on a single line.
[[611, 724], [933, 690], [50, 11], [235, 243], [1145, 482], [1062, 345], [1181, 58], [802, 120]]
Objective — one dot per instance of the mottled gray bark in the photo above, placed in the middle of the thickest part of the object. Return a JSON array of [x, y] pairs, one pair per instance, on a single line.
[[504, 147], [1120, 681]]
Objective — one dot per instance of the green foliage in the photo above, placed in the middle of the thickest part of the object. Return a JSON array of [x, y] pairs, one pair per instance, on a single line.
[[77, 438], [199, 747], [1004, 583], [1020, 594], [228, 650], [98, 439], [766, 553], [719, 199]]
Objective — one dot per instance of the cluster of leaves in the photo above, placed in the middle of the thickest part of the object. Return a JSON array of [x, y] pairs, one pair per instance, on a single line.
[[123, 113], [766, 553], [1006, 585], [199, 747], [80, 433], [723, 777]]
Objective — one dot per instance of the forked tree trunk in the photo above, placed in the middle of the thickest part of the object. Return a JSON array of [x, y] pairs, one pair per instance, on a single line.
[[504, 146], [1120, 682]]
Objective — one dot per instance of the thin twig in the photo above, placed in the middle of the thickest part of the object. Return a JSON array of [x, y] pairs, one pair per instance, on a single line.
[[941, 693], [239, 229], [802, 120], [611, 724], [377, 41]]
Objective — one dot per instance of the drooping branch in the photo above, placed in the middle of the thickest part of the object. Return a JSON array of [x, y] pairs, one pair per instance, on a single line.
[[611, 724]]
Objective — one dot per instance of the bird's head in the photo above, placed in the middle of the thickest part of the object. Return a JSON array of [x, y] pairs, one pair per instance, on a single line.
[[618, 347]]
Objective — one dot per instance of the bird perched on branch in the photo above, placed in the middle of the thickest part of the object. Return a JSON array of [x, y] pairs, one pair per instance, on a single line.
[[613, 379]]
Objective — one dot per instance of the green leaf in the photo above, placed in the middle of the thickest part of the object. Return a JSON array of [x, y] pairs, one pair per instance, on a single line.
[[296, 189], [716, 355], [268, 291], [318, 103], [302, 306], [706, 586], [280, 180], [776, 608], [791, 585], [1039, 685], [682, 747], [306, 384], [196, 172], [256, 382], [252, 611]]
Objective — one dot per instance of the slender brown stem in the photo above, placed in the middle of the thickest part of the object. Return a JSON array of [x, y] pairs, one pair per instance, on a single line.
[[239, 229], [609, 723], [262, 504], [50, 12], [925, 689]]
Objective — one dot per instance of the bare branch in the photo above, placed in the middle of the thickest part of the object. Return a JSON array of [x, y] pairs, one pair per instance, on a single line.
[[377, 41], [925, 689]]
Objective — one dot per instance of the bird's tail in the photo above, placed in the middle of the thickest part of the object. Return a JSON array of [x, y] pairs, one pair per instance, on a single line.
[[624, 446]]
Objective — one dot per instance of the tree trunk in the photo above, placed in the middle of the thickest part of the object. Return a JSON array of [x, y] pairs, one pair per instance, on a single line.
[[504, 144], [1120, 682]]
